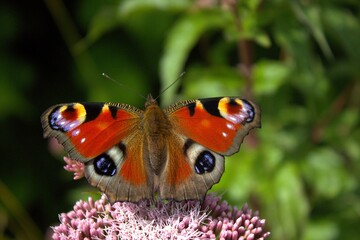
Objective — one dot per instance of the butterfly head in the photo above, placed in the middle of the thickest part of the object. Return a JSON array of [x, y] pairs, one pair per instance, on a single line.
[[150, 101]]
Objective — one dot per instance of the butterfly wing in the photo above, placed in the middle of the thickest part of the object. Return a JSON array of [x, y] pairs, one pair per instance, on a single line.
[[122, 172], [219, 124], [190, 170], [203, 132], [107, 138]]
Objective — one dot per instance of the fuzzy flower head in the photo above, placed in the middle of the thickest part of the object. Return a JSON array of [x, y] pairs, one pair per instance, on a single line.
[[213, 219], [76, 167]]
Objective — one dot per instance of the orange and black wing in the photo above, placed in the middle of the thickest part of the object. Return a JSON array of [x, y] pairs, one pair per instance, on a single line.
[[106, 137]]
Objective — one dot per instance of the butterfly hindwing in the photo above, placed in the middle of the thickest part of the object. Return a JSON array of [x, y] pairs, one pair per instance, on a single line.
[[190, 170], [121, 172]]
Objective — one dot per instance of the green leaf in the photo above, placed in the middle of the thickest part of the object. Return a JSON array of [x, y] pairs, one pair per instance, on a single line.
[[111, 16], [311, 17], [286, 202], [343, 26], [324, 172], [203, 82], [240, 177], [269, 76], [184, 35], [248, 24], [104, 21], [321, 230], [130, 6]]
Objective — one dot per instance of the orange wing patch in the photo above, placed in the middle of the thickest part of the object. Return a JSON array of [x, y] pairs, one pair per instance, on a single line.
[[211, 131], [133, 169], [177, 163], [110, 130]]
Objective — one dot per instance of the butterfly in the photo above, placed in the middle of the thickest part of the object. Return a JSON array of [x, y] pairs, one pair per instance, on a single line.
[[132, 154]]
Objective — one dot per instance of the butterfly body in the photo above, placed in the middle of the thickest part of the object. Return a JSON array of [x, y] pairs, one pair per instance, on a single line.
[[131, 154]]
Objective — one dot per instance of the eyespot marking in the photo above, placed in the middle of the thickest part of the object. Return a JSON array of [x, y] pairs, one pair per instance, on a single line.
[[104, 165], [236, 110], [67, 117], [250, 111], [205, 162]]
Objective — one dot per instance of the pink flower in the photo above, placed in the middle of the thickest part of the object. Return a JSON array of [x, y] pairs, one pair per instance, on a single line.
[[213, 219], [78, 168]]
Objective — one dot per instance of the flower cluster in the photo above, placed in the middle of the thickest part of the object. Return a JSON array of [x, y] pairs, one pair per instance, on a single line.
[[213, 219]]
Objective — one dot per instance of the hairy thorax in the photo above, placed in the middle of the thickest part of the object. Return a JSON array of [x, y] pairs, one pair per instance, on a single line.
[[156, 123]]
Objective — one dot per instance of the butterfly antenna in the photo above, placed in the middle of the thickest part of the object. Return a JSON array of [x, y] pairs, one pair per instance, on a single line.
[[180, 76], [122, 85]]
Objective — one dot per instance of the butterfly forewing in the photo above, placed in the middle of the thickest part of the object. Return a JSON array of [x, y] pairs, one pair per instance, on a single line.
[[220, 124], [88, 129]]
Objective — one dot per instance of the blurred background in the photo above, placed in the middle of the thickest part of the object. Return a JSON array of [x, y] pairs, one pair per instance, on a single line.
[[299, 60]]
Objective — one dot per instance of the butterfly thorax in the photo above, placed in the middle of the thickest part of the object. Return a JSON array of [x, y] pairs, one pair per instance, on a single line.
[[156, 122]]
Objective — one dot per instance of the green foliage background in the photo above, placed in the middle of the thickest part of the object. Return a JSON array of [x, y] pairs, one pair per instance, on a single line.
[[299, 60]]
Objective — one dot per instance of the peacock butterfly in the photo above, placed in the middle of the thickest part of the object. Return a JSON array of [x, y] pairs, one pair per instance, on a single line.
[[130, 154]]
